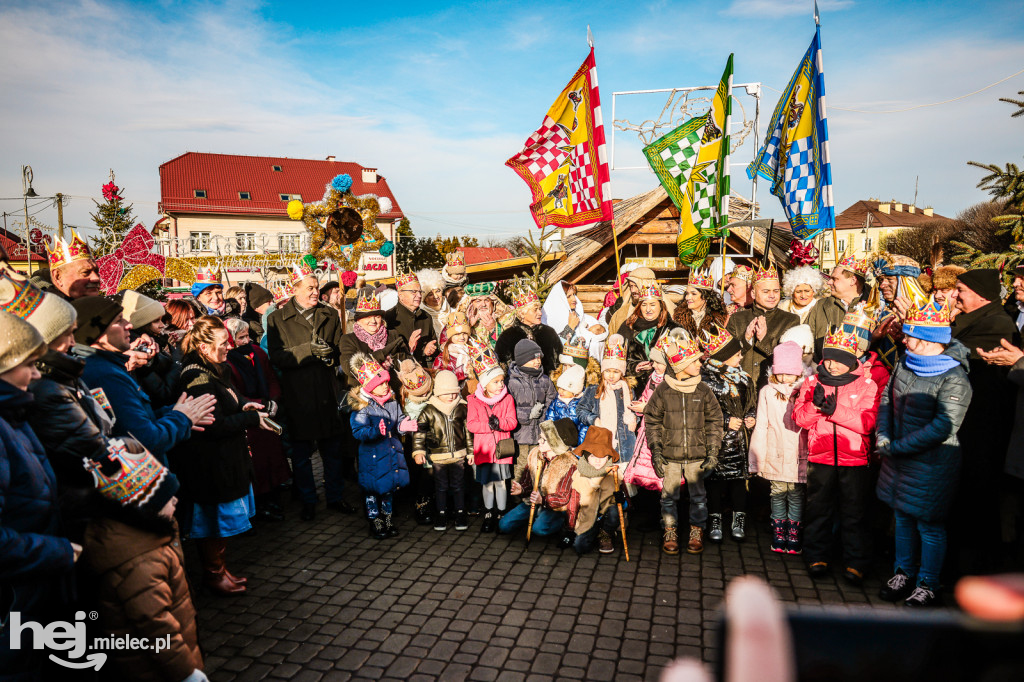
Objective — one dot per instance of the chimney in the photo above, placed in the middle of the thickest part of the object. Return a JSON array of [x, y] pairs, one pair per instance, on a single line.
[[911, 208], [898, 206], [883, 208], [370, 176], [330, 158], [928, 211]]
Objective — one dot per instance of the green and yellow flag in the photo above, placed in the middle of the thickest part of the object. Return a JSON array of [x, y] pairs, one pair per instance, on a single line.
[[692, 163]]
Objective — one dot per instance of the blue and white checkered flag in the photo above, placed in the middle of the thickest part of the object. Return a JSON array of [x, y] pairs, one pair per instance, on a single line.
[[795, 155]]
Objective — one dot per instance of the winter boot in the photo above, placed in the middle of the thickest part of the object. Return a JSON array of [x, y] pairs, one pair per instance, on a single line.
[[794, 538], [739, 526], [696, 542], [490, 523], [461, 520], [605, 545], [377, 529], [423, 515], [780, 528], [389, 526], [497, 518], [441, 520], [670, 543], [715, 528], [216, 577]]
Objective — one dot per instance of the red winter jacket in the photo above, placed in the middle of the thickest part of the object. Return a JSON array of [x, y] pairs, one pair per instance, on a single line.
[[844, 438], [485, 441]]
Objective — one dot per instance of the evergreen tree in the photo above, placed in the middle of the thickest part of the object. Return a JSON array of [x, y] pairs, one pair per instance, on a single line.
[[114, 218]]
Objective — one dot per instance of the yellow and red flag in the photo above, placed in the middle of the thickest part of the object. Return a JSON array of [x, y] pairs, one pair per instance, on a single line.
[[565, 162]]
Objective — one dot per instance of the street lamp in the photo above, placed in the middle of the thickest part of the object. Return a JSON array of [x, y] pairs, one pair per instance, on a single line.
[[26, 193]]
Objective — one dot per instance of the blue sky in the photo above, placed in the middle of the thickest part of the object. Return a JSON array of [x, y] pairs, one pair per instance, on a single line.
[[438, 96]]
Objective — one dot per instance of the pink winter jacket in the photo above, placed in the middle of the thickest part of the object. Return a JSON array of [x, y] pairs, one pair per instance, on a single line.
[[778, 446], [481, 407], [843, 439], [640, 471]]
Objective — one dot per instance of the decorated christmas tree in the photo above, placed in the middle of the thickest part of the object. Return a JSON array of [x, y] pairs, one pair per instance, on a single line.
[[113, 218]]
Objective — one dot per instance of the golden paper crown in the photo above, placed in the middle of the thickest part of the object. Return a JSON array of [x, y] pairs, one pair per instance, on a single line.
[[650, 291], [743, 272], [206, 276], [68, 252], [678, 350], [414, 380], [712, 343], [300, 271], [137, 479], [523, 298], [368, 302], [456, 323], [702, 279], [843, 340], [615, 349], [455, 258], [484, 361], [859, 266], [766, 274], [576, 349], [367, 371], [409, 278], [929, 315], [17, 295]]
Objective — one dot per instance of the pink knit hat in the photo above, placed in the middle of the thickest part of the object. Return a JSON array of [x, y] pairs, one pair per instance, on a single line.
[[787, 358]]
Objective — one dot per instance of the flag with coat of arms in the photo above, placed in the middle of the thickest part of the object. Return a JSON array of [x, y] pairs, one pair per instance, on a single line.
[[565, 161], [795, 154], [692, 164]]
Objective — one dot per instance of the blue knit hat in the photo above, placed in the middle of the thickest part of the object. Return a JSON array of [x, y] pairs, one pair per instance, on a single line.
[[930, 322], [200, 287]]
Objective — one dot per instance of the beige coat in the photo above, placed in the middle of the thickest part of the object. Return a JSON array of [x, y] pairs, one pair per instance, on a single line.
[[778, 447]]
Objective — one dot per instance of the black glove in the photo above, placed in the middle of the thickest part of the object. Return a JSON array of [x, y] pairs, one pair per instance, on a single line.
[[828, 407], [819, 395], [493, 423], [709, 464], [320, 349], [620, 497], [883, 448], [659, 466]]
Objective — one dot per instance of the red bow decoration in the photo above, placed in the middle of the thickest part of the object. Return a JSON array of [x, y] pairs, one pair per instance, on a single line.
[[802, 254], [112, 192], [136, 249]]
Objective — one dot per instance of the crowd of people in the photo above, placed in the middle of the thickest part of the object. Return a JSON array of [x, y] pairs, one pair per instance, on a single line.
[[870, 412]]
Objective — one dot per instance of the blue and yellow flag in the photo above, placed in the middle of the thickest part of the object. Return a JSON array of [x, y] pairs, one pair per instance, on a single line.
[[692, 163], [795, 155]]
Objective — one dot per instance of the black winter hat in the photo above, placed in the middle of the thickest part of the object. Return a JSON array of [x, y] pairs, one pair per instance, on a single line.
[[257, 295], [561, 434], [95, 313], [840, 355], [984, 282], [525, 351]]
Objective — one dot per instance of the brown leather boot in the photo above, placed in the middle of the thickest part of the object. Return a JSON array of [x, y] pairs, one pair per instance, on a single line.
[[211, 550], [670, 544], [696, 543]]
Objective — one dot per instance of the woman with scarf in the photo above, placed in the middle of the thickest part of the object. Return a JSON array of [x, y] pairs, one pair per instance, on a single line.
[[254, 379], [563, 312], [704, 308], [737, 397], [528, 325], [371, 336], [802, 287], [648, 323], [434, 303]]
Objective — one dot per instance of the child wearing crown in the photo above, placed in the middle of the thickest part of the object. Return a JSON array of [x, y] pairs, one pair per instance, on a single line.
[[533, 392], [417, 386], [919, 416], [491, 418], [607, 404], [569, 388], [838, 406], [377, 421], [684, 433], [455, 351]]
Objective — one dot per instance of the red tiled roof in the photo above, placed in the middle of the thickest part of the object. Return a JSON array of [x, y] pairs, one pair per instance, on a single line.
[[481, 254], [856, 216], [223, 176], [12, 244]]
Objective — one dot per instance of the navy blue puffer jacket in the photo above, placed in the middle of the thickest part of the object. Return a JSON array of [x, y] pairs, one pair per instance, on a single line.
[[918, 418]]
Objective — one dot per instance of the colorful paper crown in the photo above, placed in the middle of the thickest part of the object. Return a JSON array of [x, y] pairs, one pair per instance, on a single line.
[[766, 274], [408, 281], [367, 370], [281, 292], [859, 266], [456, 323], [678, 350], [712, 343], [615, 349], [455, 258], [483, 362], [702, 279], [206, 276], [650, 292], [929, 315], [368, 303], [300, 271], [414, 380], [523, 298], [17, 295], [137, 478], [743, 272], [858, 321], [843, 340], [576, 349], [68, 252]]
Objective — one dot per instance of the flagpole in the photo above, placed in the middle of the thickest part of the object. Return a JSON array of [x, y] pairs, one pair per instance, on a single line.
[[615, 237]]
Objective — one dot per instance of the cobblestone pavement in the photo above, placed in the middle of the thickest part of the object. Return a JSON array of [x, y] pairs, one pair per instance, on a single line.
[[328, 602]]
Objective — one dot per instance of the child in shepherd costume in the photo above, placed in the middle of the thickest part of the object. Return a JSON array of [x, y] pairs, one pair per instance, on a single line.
[[596, 520]]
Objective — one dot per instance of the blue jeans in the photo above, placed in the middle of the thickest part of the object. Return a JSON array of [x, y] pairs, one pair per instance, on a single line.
[[609, 522], [377, 505], [545, 521], [787, 500], [931, 537], [302, 469]]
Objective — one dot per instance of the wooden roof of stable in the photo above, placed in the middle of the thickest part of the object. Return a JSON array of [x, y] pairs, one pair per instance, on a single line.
[[651, 217]]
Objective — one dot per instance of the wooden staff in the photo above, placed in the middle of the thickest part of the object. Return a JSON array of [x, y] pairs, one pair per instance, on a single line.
[[533, 506], [622, 519]]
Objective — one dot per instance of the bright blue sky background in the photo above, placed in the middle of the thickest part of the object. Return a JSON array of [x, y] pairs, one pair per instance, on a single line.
[[438, 96]]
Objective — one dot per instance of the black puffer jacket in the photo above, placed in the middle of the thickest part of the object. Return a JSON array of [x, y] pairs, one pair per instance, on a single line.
[[442, 435], [214, 465], [683, 427], [541, 334], [739, 400]]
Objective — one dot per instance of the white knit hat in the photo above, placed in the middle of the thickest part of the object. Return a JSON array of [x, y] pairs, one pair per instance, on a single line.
[[446, 382], [572, 379], [19, 340], [140, 310], [50, 314], [802, 335]]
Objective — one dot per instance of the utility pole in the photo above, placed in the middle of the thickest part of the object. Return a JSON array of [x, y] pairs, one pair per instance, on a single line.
[[915, 189], [60, 216], [26, 192]]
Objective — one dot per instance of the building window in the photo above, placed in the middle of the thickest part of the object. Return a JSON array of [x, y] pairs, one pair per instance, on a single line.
[[842, 245], [199, 241], [244, 196], [289, 197], [277, 169], [827, 245], [245, 241], [288, 243], [868, 244], [199, 193]]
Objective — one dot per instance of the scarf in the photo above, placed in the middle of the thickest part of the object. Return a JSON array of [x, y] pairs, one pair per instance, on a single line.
[[828, 379], [375, 341], [787, 390], [698, 315], [489, 400], [609, 410], [587, 470], [445, 408], [379, 399], [683, 386], [243, 359], [437, 315], [929, 365], [532, 372]]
